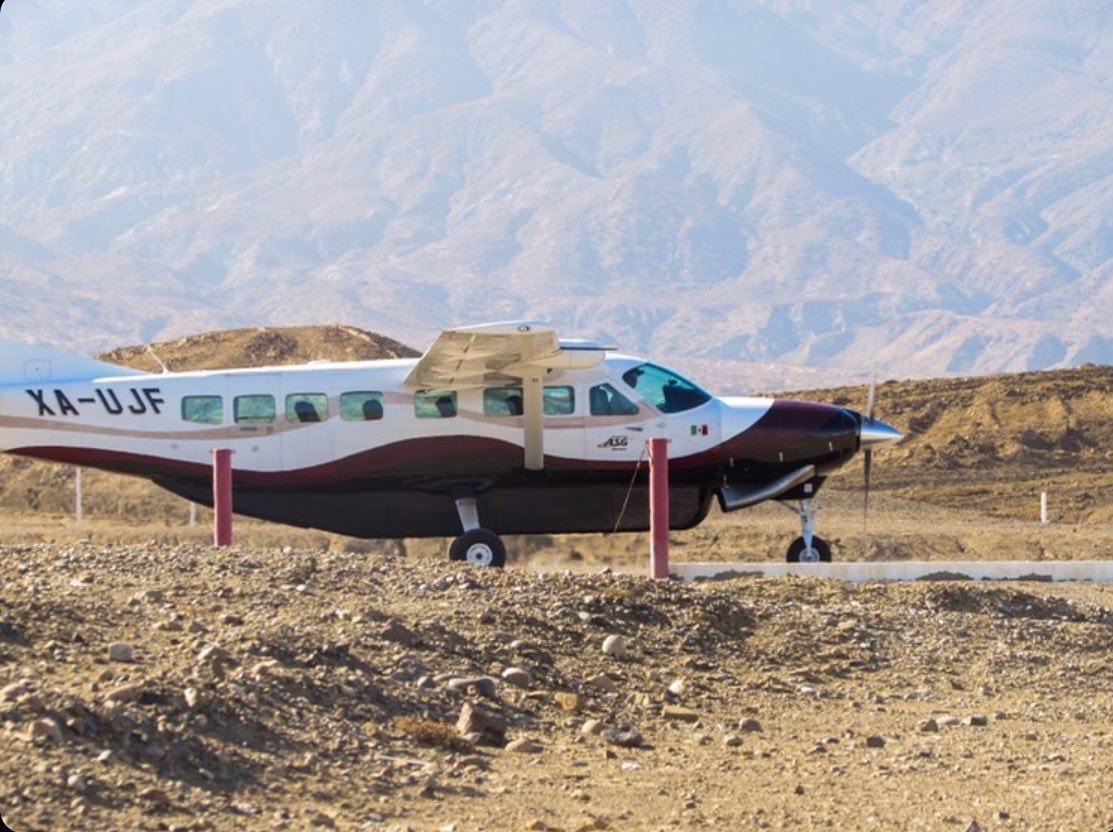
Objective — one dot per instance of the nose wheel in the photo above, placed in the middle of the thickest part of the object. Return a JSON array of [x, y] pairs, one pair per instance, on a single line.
[[800, 552], [809, 547], [476, 546]]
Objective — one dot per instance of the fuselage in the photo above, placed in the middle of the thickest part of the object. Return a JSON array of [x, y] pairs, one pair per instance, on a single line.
[[347, 447]]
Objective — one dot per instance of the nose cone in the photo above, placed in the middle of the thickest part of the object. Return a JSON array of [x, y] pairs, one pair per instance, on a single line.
[[874, 433]]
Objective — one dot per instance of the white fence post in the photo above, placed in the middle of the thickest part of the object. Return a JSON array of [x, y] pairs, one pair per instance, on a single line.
[[1043, 507]]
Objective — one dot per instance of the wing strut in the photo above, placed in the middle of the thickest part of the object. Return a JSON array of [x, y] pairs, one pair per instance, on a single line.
[[533, 408]]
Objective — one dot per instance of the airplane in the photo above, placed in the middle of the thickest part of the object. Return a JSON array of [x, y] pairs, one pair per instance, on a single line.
[[497, 429]]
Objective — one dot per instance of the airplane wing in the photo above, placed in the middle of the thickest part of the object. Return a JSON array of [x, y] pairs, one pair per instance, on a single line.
[[504, 353], [517, 352]]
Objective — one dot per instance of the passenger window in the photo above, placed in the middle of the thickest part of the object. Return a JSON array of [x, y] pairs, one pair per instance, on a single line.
[[205, 410], [606, 401], [664, 389], [435, 405], [306, 407], [364, 406], [502, 401], [254, 410], [560, 401], [507, 401]]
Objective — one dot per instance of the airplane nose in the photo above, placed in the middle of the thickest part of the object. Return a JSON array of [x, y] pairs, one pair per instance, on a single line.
[[873, 433]]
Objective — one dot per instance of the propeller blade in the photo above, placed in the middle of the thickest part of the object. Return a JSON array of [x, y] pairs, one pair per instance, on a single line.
[[867, 471], [871, 399]]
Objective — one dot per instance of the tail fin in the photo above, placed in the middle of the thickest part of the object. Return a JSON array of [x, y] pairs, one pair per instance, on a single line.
[[22, 363]]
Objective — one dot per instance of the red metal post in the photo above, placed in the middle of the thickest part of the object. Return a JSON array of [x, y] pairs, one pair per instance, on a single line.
[[659, 508], [222, 498]]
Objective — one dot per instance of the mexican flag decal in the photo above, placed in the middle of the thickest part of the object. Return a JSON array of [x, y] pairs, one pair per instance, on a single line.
[[700, 430]]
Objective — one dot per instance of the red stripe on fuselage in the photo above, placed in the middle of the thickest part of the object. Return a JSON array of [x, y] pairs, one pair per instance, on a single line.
[[790, 428], [440, 457]]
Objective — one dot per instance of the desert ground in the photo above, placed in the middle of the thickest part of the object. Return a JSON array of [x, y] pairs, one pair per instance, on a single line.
[[308, 681], [155, 686]]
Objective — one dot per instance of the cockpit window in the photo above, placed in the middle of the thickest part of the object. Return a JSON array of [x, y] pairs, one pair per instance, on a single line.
[[664, 389]]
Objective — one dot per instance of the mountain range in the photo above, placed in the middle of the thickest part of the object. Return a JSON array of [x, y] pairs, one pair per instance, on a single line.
[[767, 192]]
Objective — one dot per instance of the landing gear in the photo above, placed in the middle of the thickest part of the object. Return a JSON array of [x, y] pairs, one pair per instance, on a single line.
[[479, 547], [798, 551], [476, 546], [808, 548]]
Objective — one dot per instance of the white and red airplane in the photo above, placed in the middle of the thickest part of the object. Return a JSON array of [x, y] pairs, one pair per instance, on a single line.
[[496, 429]]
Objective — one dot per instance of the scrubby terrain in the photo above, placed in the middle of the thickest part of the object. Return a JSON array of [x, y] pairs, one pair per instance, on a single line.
[[155, 687]]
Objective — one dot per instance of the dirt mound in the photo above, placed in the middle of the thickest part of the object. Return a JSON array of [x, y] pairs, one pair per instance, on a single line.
[[996, 442], [154, 687], [1049, 418], [261, 347], [1009, 603]]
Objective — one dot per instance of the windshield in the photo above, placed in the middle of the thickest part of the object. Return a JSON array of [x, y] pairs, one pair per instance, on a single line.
[[664, 389]]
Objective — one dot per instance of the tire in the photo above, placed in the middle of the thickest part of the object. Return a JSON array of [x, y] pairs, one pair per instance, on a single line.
[[479, 547], [819, 546]]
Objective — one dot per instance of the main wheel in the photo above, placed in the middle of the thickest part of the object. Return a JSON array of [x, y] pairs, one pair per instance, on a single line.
[[479, 547], [798, 552]]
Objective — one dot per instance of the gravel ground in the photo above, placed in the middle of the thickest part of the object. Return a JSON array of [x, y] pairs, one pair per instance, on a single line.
[[176, 687]]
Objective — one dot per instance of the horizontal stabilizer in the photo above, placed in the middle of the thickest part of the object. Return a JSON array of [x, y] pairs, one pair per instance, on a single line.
[[22, 363]]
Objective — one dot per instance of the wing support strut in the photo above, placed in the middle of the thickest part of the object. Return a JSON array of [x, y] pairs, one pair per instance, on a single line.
[[504, 354], [533, 410]]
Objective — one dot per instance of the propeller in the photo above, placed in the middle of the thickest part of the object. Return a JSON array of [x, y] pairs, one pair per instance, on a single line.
[[873, 434], [871, 399], [867, 460]]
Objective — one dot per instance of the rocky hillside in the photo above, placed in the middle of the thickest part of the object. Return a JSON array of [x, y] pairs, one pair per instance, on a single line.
[[995, 442], [179, 688], [1050, 419], [261, 347]]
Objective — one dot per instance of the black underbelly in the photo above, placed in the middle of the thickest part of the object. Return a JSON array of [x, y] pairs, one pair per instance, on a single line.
[[519, 510]]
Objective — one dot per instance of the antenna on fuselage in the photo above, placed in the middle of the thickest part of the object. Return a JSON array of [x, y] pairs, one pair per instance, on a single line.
[[154, 355]]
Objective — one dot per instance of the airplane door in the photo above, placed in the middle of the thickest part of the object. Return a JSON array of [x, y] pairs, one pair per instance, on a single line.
[[256, 420], [616, 426], [308, 416], [623, 417]]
